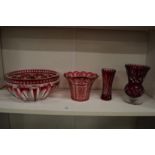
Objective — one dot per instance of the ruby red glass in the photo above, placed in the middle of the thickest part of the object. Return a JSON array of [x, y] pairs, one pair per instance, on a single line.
[[80, 84], [107, 80], [32, 84], [134, 89]]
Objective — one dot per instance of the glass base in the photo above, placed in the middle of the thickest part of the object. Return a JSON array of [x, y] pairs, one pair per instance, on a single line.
[[134, 101], [106, 97]]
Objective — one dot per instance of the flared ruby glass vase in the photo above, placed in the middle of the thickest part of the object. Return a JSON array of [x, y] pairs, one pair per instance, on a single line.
[[134, 88], [80, 84], [107, 80]]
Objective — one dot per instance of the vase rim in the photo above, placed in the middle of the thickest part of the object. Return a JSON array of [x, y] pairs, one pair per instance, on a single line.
[[15, 76], [81, 74], [109, 69], [137, 65]]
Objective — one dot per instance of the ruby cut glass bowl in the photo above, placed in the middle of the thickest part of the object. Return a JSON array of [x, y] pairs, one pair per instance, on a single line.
[[32, 84]]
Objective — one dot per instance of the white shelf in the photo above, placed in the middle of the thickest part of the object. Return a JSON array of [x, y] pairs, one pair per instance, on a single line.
[[61, 104]]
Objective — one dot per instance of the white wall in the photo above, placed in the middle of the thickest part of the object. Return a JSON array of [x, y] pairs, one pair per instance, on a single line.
[[1, 68], [150, 60], [64, 49]]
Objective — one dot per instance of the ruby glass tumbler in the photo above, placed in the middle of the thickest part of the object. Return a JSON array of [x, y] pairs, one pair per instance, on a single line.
[[80, 84]]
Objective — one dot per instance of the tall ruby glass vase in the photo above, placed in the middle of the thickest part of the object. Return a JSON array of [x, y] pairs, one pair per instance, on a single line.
[[134, 88], [107, 78], [80, 84]]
